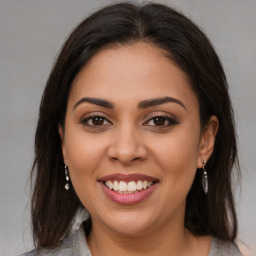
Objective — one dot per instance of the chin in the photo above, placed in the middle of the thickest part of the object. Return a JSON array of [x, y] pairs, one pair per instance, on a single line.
[[130, 223]]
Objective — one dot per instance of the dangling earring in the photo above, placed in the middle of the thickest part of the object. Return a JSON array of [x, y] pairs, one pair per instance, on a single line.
[[205, 179], [67, 178]]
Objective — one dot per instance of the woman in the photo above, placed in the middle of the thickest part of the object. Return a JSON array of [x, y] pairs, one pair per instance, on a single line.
[[136, 127]]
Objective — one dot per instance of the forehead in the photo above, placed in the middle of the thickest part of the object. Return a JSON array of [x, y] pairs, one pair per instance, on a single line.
[[132, 73]]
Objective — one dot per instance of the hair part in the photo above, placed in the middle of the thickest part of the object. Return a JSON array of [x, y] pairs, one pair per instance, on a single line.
[[186, 45]]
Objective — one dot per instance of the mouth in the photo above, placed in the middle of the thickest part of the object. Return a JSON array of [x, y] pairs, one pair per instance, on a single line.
[[128, 189]]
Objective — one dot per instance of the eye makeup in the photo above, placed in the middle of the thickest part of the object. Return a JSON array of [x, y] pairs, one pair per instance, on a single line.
[[98, 120]]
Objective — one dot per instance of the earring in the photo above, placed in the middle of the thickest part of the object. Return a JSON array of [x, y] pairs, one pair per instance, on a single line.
[[205, 179], [67, 178]]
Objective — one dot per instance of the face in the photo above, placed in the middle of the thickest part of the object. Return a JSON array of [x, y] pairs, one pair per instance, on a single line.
[[132, 139]]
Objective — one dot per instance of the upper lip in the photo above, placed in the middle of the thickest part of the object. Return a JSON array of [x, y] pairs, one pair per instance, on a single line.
[[128, 177]]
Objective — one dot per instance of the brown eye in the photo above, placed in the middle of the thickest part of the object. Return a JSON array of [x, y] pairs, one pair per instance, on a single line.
[[159, 121], [97, 120]]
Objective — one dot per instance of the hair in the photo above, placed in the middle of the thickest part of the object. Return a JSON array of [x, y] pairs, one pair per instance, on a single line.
[[187, 46]]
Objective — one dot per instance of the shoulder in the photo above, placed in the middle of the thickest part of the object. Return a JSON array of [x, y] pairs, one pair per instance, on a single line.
[[60, 250], [223, 248], [73, 245]]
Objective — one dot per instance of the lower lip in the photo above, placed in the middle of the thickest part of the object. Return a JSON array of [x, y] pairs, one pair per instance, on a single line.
[[128, 198]]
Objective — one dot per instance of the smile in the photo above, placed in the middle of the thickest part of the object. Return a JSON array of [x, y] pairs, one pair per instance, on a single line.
[[128, 189]]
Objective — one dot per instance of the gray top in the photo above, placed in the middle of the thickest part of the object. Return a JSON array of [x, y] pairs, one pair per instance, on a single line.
[[76, 245]]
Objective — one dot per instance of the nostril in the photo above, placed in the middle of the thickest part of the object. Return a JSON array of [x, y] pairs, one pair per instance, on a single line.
[[127, 148]]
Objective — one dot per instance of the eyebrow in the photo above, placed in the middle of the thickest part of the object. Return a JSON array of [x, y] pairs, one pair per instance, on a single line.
[[142, 105], [95, 101], [158, 101]]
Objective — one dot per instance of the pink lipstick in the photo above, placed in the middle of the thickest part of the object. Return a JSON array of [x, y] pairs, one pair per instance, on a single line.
[[128, 189]]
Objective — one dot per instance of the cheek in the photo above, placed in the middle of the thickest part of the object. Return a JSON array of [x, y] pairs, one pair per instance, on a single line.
[[84, 154], [84, 157], [178, 157], [83, 151]]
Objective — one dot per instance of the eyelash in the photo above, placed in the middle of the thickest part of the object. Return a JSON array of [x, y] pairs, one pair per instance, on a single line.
[[171, 121], [85, 121]]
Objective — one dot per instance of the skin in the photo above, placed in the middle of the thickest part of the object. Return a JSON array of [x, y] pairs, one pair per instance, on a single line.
[[130, 141]]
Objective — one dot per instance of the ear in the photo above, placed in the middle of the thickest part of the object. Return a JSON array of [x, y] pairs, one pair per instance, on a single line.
[[207, 140], [62, 135]]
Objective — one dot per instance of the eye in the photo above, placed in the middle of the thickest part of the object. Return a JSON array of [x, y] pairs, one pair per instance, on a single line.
[[96, 121], [161, 121]]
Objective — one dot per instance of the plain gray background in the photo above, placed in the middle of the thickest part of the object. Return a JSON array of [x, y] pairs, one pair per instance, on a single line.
[[31, 33]]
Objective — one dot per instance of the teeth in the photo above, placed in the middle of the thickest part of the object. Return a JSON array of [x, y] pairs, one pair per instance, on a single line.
[[150, 183], [131, 187], [116, 185], [122, 186], [139, 185], [144, 184], [111, 186]]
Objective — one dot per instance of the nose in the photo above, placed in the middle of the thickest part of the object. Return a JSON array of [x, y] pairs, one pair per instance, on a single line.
[[127, 147]]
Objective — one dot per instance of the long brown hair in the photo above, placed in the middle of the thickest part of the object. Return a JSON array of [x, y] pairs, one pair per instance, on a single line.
[[185, 44]]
